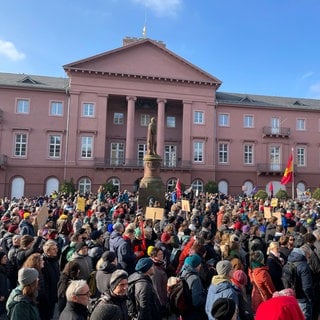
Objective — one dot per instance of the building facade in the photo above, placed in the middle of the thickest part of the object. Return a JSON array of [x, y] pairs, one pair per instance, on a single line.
[[91, 127]]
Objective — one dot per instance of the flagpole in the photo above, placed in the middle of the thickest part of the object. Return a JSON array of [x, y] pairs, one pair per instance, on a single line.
[[292, 184]]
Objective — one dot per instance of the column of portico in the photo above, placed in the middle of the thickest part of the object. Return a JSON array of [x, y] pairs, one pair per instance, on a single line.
[[186, 133], [161, 126], [130, 154]]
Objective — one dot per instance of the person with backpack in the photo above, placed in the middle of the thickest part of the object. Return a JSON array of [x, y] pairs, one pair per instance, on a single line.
[[190, 273], [143, 303]]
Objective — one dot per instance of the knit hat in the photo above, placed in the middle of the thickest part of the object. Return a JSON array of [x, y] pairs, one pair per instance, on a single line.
[[193, 260], [137, 232], [95, 234], [116, 277], [63, 216], [26, 215], [223, 308], [149, 250], [106, 311], [108, 256], [80, 245], [165, 237], [143, 265], [245, 228], [12, 228], [27, 276], [224, 267], [240, 278], [257, 256]]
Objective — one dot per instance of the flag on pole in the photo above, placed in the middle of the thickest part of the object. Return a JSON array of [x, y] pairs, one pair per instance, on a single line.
[[271, 189], [288, 173], [178, 189]]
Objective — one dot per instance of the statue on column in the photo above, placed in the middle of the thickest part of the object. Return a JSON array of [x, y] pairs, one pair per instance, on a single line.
[[152, 137]]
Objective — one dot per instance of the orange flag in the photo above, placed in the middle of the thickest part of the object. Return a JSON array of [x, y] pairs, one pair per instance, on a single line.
[[288, 173]]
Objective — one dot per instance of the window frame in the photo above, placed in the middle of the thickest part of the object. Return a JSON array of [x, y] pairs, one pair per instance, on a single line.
[[300, 121], [248, 124], [299, 156], [198, 117], [171, 122], [224, 119], [85, 152], [118, 118], [55, 146], [23, 154], [198, 152], [224, 153], [145, 119], [249, 154], [54, 111], [26, 105]]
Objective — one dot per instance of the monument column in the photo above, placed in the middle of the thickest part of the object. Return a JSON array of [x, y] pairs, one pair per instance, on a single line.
[[130, 130], [161, 126]]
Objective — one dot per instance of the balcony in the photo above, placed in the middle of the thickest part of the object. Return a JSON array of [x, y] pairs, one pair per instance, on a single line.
[[102, 163], [272, 169], [276, 132]]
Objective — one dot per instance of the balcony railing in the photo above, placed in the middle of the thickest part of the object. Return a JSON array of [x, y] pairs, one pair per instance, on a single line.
[[101, 163], [271, 168], [276, 132]]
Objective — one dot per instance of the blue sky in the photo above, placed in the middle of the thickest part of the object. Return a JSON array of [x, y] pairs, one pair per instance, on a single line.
[[268, 47]]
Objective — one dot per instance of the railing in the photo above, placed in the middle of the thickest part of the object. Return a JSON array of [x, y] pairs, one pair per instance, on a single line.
[[272, 168], [276, 132]]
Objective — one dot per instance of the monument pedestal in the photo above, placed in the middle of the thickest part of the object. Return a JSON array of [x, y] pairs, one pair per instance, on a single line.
[[151, 187]]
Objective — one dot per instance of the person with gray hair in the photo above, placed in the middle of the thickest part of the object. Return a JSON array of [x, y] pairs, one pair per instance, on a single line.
[[77, 295], [116, 236]]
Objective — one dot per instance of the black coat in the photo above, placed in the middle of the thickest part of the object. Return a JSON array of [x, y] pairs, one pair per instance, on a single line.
[[74, 311], [275, 271]]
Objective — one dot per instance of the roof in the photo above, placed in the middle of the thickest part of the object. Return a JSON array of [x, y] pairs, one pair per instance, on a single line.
[[33, 81], [251, 100]]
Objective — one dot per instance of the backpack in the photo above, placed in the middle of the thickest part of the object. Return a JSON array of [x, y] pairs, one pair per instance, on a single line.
[[289, 275], [179, 295]]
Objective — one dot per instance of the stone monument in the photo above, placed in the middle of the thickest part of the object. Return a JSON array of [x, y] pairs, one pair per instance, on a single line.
[[151, 187]]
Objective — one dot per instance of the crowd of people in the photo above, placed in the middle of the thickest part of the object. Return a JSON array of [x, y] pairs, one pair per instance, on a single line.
[[107, 261]]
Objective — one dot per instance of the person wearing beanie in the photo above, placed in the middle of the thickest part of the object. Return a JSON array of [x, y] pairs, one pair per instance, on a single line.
[[21, 303], [82, 258], [305, 293], [224, 309], [259, 275], [190, 272], [96, 247], [279, 308], [26, 226], [143, 302], [221, 287], [116, 295], [77, 294], [106, 311]]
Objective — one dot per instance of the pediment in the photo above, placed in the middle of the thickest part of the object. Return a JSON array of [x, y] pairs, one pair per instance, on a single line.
[[143, 58]]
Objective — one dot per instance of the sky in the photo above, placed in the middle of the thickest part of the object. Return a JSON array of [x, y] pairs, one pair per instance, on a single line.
[[264, 47]]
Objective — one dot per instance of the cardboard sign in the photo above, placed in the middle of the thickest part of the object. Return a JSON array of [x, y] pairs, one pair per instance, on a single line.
[[42, 217], [274, 202], [185, 205], [278, 215], [81, 204], [267, 212], [154, 213]]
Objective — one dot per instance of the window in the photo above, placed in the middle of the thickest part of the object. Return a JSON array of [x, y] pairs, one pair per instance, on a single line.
[[223, 120], [142, 150], [301, 156], [84, 185], [88, 110], [118, 118], [197, 185], [86, 147], [198, 151], [20, 149], [56, 108], [223, 153], [248, 154], [23, 106], [115, 182], [54, 146], [171, 122], [198, 117], [117, 154], [247, 121], [144, 120], [171, 184], [301, 124], [275, 125], [170, 156]]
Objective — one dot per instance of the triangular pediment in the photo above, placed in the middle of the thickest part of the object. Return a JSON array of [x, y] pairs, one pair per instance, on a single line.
[[144, 58]]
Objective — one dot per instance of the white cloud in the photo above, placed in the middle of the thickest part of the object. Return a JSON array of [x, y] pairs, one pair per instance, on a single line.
[[9, 50], [161, 7], [307, 75]]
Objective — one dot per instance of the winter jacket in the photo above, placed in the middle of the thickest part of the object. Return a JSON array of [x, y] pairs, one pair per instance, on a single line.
[[221, 287], [263, 287], [26, 228], [21, 307], [304, 286], [103, 276], [144, 298], [115, 238], [74, 311], [125, 255], [85, 264], [275, 270]]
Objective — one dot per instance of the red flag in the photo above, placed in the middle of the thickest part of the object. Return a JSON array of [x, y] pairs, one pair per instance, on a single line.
[[178, 189], [271, 187], [288, 173]]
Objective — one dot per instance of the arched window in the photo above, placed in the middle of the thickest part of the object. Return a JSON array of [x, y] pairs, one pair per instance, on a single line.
[[17, 188], [52, 184], [115, 182], [197, 185], [84, 185], [171, 184], [223, 187], [248, 186]]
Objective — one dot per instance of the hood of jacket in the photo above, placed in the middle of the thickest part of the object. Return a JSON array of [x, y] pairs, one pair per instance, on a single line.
[[219, 279]]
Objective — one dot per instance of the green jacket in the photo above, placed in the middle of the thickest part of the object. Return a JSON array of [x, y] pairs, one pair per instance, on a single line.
[[21, 307]]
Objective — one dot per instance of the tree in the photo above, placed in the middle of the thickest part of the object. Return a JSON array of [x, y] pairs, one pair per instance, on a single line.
[[211, 187], [316, 194], [282, 194], [68, 187], [109, 187], [261, 194]]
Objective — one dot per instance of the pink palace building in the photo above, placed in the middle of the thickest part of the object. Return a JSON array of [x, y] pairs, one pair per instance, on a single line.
[[91, 127]]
